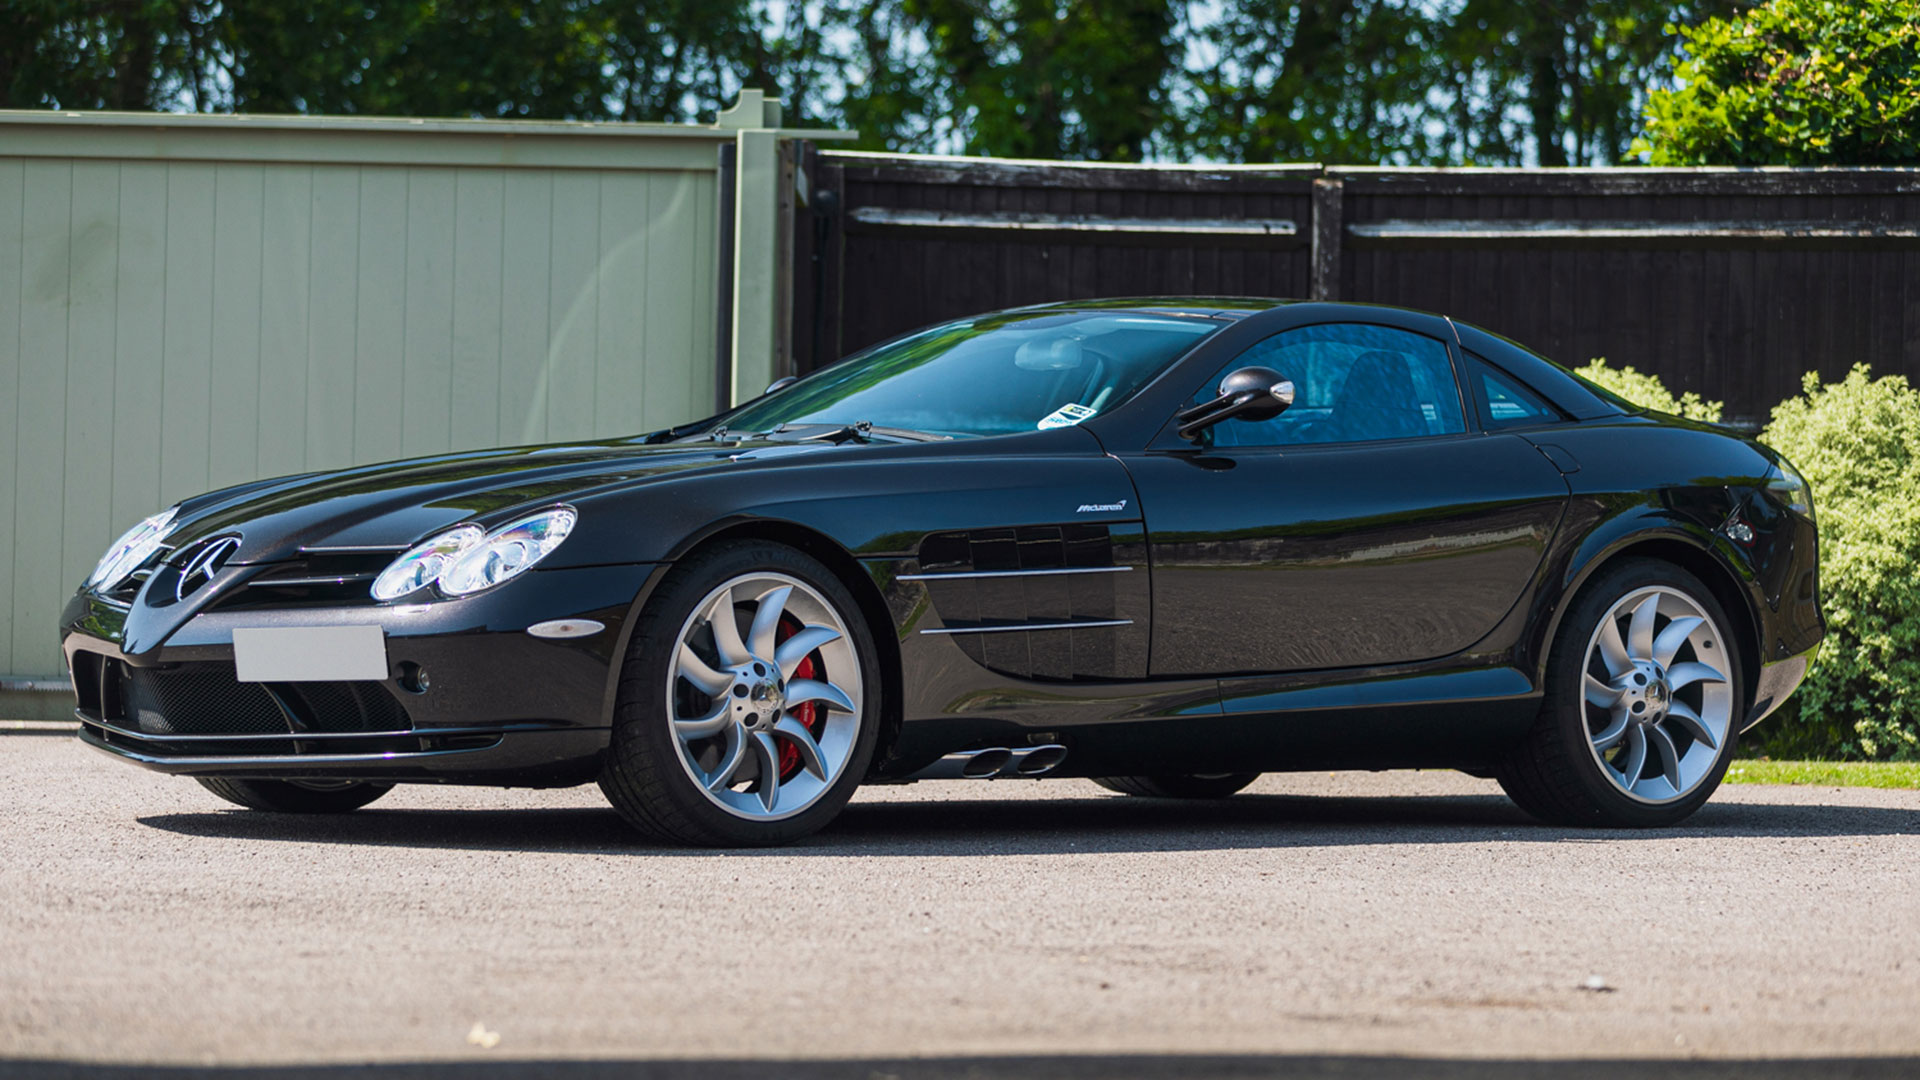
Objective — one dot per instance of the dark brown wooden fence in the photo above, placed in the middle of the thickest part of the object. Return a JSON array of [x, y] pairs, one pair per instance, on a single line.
[[1728, 282]]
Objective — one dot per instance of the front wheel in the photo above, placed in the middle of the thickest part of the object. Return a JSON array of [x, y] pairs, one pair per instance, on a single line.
[[749, 702], [1642, 706], [296, 796]]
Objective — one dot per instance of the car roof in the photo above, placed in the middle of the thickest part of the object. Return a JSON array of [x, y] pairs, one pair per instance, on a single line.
[[1219, 307]]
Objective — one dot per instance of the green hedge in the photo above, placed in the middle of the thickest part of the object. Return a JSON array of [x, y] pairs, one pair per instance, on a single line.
[[1857, 442], [1647, 391]]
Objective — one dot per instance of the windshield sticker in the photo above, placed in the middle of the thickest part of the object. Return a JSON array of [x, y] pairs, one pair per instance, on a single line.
[[1066, 416]]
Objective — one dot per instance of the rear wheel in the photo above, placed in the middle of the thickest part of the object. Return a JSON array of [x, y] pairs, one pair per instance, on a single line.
[[296, 796], [748, 706], [1643, 699], [1179, 785]]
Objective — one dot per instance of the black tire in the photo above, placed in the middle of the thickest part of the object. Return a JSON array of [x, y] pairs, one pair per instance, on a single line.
[[291, 797], [1178, 785], [1554, 774], [642, 774]]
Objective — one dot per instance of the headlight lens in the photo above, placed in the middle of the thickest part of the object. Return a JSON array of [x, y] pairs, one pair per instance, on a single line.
[[134, 547], [425, 562], [1790, 488], [508, 551]]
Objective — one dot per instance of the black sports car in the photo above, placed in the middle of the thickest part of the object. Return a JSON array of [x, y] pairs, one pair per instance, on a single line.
[[1167, 544]]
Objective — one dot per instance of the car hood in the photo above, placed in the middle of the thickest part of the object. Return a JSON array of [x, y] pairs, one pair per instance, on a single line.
[[402, 502]]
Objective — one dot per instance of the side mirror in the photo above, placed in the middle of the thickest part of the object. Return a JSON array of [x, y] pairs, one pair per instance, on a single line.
[[778, 385], [1249, 393]]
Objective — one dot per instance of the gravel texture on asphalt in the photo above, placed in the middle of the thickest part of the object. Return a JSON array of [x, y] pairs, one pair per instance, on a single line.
[[1319, 924]]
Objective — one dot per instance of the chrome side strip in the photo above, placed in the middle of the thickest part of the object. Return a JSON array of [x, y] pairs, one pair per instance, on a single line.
[[1015, 573], [1081, 625]]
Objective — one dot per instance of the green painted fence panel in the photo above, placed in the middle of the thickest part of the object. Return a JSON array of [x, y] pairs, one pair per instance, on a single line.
[[224, 303]]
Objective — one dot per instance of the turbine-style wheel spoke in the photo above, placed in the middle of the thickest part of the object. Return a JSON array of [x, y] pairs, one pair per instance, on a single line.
[[744, 724], [1632, 713], [726, 631], [1674, 636], [710, 680], [1668, 754], [796, 733], [1640, 628], [800, 646], [1633, 759], [801, 691], [1613, 651], [735, 753], [1615, 730], [766, 621], [1599, 693], [767, 756], [1687, 674], [1680, 712], [705, 726]]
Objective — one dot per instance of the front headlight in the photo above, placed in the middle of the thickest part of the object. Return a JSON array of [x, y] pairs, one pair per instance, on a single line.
[[134, 547], [508, 551], [1790, 488], [423, 564]]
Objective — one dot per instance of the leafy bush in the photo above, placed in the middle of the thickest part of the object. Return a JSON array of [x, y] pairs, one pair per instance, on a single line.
[[1794, 82], [1858, 443], [1648, 392]]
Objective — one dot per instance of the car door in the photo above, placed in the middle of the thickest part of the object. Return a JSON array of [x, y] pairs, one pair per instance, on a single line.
[[1369, 524]]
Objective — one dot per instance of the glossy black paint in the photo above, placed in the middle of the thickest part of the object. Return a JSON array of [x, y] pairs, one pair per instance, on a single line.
[[1356, 605]]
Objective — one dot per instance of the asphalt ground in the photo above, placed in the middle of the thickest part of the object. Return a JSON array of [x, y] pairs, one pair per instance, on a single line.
[[1350, 925]]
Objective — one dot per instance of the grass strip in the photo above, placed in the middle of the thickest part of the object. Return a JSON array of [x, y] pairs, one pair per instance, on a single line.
[[1880, 774]]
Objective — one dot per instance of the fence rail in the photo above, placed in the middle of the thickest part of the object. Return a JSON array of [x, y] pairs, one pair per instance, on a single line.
[[1727, 282]]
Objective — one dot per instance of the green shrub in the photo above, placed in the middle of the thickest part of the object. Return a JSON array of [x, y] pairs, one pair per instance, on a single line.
[[1858, 444], [1648, 392], [1793, 82]]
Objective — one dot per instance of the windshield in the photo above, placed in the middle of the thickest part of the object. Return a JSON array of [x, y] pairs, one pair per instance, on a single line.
[[994, 375]]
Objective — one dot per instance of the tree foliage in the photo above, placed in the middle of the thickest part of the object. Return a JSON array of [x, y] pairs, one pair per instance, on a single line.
[[1794, 82], [1396, 81]]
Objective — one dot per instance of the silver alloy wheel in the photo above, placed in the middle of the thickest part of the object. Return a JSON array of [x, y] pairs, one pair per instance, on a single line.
[[737, 685], [1658, 701]]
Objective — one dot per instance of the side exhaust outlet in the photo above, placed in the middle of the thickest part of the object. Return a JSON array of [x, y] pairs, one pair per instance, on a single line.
[[1035, 761]]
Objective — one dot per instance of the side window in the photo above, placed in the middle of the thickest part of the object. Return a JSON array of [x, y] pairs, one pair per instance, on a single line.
[[1502, 399], [1352, 383]]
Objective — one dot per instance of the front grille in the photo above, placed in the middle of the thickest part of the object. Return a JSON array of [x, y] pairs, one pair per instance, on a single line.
[[316, 579], [124, 591], [206, 699]]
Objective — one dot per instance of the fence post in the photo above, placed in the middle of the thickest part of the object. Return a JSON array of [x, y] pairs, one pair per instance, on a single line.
[[757, 279], [1327, 229]]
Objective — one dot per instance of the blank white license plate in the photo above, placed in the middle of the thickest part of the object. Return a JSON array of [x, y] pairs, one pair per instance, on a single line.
[[310, 654]]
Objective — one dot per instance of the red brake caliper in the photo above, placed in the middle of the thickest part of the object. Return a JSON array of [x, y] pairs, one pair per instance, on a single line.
[[810, 714]]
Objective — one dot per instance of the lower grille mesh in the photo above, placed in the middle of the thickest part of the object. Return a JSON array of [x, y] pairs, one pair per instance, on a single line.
[[199, 703], [207, 699]]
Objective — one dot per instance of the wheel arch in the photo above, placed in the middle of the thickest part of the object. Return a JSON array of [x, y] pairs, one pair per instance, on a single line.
[[1681, 548], [843, 565]]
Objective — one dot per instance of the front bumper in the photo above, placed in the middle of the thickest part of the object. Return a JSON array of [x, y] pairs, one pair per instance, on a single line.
[[500, 706]]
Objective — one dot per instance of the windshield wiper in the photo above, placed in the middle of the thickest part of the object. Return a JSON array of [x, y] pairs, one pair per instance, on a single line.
[[863, 431]]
